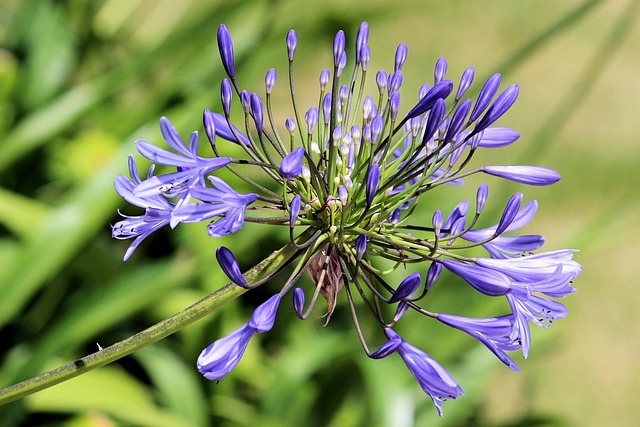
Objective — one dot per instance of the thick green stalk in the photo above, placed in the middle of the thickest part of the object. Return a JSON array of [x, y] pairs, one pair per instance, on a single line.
[[155, 333]]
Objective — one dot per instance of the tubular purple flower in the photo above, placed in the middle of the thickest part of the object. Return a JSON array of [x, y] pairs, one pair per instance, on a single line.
[[366, 56], [465, 82], [290, 124], [493, 332], [432, 275], [530, 175], [431, 376], [294, 209], [457, 120], [394, 82], [361, 246], [485, 280], [438, 91], [381, 81], [223, 130], [503, 103], [371, 183], [230, 266], [481, 197], [326, 108], [257, 112], [386, 349], [338, 48], [377, 126], [298, 302], [486, 95], [436, 221], [264, 316], [225, 46], [440, 70], [292, 43], [343, 194], [209, 126], [401, 56], [325, 77], [509, 213], [245, 100], [218, 359], [362, 39], [556, 265], [436, 115], [394, 105], [291, 165], [406, 288], [342, 63], [226, 95], [495, 136], [270, 80]]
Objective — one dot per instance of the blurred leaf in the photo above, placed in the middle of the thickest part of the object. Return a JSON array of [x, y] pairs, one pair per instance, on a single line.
[[179, 384], [108, 390]]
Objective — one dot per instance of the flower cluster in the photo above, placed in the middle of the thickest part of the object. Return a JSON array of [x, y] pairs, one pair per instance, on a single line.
[[345, 179]]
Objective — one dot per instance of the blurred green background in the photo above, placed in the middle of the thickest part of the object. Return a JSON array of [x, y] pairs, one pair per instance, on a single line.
[[81, 80]]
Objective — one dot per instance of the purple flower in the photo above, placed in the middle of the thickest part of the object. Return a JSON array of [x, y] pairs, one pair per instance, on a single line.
[[493, 332], [291, 165], [531, 175], [223, 130], [372, 182], [225, 46], [221, 201], [230, 266], [191, 167], [218, 359], [406, 288], [438, 91], [292, 43], [432, 377], [485, 280]]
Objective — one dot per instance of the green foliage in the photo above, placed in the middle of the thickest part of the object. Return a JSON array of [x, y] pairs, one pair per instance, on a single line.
[[80, 81]]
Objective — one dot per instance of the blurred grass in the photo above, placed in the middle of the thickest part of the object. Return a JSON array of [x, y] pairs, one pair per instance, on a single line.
[[80, 81]]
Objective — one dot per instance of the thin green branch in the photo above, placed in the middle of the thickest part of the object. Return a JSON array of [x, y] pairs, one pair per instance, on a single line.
[[155, 333]]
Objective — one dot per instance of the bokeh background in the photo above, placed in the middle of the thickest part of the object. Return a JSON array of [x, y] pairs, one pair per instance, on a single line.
[[81, 80]]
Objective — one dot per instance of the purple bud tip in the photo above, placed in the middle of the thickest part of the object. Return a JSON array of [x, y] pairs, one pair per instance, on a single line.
[[209, 126], [377, 126], [457, 121], [438, 91], [294, 208], [361, 246], [406, 288], [325, 76], [257, 111], [436, 115], [291, 165], [401, 56], [230, 266], [386, 349], [530, 175], [245, 100], [481, 197], [432, 274], [372, 182], [486, 95], [270, 80], [495, 136], [225, 46], [509, 214], [381, 81], [343, 194], [465, 82], [440, 71], [503, 103], [290, 124], [226, 95], [361, 41], [338, 47], [298, 302], [292, 43], [311, 117], [264, 316], [436, 220], [394, 105]]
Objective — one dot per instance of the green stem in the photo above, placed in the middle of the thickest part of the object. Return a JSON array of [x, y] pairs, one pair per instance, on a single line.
[[160, 330]]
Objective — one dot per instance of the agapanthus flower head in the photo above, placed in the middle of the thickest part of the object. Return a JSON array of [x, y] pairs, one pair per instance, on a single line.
[[345, 182]]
